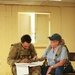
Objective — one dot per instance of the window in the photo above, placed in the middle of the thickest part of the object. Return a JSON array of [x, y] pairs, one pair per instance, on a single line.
[[37, 25]]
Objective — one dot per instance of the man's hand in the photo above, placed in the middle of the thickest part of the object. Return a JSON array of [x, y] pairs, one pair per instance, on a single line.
[[41, 59], [35, 58], [25, 61]]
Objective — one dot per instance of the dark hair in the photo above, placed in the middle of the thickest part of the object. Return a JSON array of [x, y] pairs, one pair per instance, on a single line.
[[26, 38]]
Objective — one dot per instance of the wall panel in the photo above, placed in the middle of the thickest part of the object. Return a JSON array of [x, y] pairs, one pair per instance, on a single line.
[[68, 26], [62, 21]]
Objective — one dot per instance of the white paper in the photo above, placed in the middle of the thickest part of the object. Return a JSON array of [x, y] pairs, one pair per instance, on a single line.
[[38, 63], [22, 68], [35, 64]]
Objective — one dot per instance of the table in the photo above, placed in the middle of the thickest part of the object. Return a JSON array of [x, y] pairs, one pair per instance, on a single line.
[[22, 68]]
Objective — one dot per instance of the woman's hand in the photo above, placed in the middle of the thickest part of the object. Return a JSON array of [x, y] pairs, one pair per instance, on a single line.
[[49, 70]]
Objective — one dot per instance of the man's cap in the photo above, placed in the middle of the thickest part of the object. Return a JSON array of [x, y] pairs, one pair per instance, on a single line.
[[55, 36]]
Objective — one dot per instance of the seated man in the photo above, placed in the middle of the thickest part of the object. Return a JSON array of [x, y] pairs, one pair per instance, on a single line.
[[23, 52]]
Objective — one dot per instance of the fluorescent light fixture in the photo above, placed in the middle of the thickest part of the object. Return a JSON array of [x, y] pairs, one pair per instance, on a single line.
[[55, 0]]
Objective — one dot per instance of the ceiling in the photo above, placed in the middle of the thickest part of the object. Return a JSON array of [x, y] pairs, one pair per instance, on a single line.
[[40, 2]]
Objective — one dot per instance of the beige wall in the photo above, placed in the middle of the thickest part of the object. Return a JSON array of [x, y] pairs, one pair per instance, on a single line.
[[62, 21]]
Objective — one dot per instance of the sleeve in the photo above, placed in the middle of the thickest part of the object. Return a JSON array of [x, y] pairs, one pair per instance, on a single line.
[[33, 51], [64, 53], [11, 60], [45, 52]]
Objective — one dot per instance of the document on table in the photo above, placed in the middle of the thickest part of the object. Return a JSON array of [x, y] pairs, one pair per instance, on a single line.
[[38, 63], [22, 68], [35, 64]]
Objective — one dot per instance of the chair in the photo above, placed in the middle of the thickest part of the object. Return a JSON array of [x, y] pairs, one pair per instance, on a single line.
[[72, 58]]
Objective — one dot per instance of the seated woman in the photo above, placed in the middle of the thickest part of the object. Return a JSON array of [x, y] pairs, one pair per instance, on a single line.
[[57, 57]]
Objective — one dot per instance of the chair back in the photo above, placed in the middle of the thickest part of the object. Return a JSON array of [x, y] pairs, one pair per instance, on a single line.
[[72, 56]]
